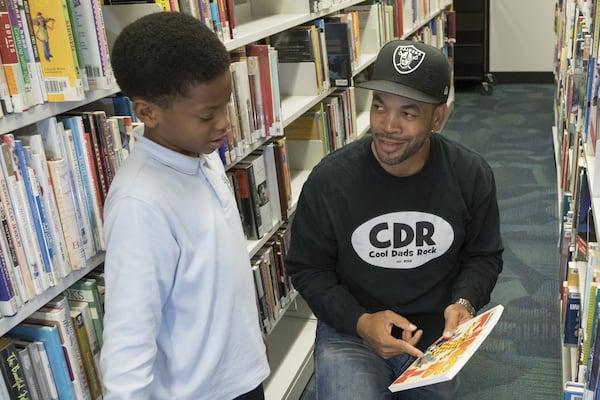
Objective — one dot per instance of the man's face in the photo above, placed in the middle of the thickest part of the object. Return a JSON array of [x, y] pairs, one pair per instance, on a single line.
[[401, 129]]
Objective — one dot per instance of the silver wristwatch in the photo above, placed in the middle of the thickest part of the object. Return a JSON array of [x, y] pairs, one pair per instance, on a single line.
[[467, 304]]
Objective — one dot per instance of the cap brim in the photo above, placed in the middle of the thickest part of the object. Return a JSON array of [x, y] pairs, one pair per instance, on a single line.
[[399, 90]]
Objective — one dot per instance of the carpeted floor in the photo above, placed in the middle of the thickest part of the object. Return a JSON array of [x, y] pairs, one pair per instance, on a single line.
[[512, 128]]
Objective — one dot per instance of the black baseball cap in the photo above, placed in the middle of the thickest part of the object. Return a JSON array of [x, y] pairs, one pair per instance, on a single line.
[[411, 69]]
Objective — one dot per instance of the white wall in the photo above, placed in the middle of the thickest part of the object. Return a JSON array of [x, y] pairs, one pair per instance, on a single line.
[[521, 35]]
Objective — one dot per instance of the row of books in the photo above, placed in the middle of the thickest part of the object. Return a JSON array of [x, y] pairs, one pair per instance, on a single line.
[[254, 109], [262, 186], [322, 129], [54, 178], [55, 352], [218, 15], [51, 51], [274, 290]]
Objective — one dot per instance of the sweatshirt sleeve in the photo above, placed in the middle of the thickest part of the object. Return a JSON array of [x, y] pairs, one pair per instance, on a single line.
[[312, 259], [481, 255]]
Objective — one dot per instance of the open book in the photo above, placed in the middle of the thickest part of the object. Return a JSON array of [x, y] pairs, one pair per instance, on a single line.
[[444, 358]]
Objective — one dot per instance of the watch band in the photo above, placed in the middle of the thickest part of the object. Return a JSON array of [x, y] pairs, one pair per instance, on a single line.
[[467, 304]]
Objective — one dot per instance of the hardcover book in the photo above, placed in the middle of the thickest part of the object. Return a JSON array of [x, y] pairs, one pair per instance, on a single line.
[[446, 357]]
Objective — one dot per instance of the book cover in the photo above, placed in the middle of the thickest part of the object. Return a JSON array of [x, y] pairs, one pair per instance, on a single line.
[[444, 358], [60, 65], [48, 334], [339, 53], [12, 370]]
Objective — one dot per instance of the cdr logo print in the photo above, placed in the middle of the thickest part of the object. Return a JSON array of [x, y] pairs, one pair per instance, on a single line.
[[402, 240]]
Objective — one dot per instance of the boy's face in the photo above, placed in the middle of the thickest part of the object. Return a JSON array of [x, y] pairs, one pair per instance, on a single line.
[[192, 125]]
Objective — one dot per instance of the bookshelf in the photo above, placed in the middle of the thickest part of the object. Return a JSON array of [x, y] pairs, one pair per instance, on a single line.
[[575, 140], [291, 336]]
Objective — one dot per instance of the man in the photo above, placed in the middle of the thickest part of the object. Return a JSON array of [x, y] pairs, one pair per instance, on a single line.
[[396, 237]]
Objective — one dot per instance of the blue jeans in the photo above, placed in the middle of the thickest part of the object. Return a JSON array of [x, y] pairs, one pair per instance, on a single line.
[[346, 368]]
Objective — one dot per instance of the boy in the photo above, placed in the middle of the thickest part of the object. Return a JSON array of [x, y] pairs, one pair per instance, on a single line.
[[181, 319]]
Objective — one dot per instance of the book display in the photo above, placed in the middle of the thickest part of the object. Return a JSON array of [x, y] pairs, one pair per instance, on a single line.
[[294, 68]]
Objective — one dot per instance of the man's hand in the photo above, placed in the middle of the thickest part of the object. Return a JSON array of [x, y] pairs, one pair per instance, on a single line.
[[455, 314], [376, 329]]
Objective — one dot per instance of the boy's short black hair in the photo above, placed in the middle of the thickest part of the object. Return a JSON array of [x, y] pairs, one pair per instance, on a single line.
[[160, 56]]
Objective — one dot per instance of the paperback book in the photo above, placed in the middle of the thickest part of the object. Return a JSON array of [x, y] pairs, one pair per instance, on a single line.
[[446, 357]]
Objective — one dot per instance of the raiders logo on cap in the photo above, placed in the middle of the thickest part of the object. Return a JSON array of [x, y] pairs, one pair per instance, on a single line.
[[407, 59]]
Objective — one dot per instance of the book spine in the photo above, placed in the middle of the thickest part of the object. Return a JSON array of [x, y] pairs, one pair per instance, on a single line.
[[47, 371], [24, 63], [82, 169], [86, 290], [102, 41], [65, 201], [61, 256], [86, 355], [36, 54], [80, 202], [9, 296], [27, 367], [11, 189], [37, 368], [10, 61], [39, 219], [12, 370], [250, 227], [82, 19]]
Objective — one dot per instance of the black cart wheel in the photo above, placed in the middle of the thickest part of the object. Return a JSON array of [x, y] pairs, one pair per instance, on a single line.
[[489, 78], [486, 89]]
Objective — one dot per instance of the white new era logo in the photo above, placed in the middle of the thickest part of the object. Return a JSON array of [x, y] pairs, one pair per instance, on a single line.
[[407, 59]]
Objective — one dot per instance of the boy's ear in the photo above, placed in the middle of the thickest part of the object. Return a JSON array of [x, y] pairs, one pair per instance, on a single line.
[[146, 112]]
